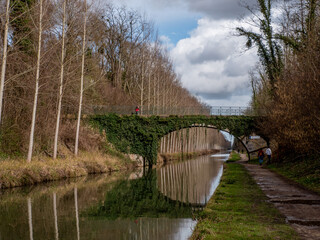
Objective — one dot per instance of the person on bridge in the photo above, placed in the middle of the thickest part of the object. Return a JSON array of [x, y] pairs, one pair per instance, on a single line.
[[260, 156], [137, 110], [269, 152]]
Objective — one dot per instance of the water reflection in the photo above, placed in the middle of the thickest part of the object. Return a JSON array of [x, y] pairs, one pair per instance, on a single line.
[[30, 218], [55, 216], [77, 212], [155, 206], [193, 181], [139, 198], [141, 228]]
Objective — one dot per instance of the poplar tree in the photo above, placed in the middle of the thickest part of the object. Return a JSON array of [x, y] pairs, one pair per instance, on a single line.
[[81, 79], [55, 148], [31, 140], [4, 57]]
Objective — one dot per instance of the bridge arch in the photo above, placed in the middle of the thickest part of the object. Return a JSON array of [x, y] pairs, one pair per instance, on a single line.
[[184, 148], [190, 140]]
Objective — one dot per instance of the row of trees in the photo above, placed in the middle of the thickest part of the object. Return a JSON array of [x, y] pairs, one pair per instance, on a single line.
[[286, 83], [63, 57]]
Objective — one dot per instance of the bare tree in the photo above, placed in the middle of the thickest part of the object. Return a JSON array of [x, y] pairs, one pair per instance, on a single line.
[[4, 57], [37, 85], [82, 78], [55, 148]]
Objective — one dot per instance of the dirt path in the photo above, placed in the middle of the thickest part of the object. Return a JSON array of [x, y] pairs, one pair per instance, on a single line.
[[300, 207]]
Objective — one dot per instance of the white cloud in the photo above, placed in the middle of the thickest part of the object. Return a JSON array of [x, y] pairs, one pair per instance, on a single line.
[[166, 41], [220, 9], [211, 64], [159, 10], [234, 100], [215, 9]]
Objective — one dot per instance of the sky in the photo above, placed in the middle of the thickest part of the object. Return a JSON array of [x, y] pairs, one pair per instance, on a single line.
[[209, 58]]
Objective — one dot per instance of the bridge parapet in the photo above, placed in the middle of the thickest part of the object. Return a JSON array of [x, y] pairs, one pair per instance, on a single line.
[[166, 111], [231, 111]]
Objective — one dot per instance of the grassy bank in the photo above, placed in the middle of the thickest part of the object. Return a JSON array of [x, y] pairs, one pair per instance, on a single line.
[[16, 173], [304, 171], [234, 157], [239, 210]]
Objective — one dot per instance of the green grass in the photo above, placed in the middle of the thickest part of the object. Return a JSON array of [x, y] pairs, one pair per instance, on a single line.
[[239, 210], [112, 152], [234, 156], [305, 171]]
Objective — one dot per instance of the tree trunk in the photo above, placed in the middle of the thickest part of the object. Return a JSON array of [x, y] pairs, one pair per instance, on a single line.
[[4, 57], [154, 96], [142, 83], [149, 91], [81, 80], [55, 148], [37, 86]]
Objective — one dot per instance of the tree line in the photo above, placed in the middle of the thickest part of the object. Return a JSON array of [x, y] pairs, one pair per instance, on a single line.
[[286, 81], [62, 57]]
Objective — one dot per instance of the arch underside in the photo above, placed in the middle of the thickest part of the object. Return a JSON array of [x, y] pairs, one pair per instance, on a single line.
[[239, 138]]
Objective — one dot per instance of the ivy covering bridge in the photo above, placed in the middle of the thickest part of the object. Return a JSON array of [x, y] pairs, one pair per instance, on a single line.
[[141, 135]]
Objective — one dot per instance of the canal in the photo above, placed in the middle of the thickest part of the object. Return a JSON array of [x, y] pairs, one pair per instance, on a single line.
[[157, 204]]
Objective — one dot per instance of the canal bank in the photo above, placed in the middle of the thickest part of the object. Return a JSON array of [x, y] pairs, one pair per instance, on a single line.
[[17, 173], [240, 210], [147, 205], [157, 204]]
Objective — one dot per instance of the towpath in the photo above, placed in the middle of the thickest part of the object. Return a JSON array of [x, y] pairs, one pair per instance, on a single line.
[[300, 207]]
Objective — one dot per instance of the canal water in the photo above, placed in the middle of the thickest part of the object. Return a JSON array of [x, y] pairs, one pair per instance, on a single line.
[[157, 204]]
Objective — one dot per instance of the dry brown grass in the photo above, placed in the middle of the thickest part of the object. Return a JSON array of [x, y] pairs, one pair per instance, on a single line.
[[15, 173]]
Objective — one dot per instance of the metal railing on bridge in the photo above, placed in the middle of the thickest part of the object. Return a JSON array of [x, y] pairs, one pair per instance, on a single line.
[[145, 111], [164, 111], [230, 111]]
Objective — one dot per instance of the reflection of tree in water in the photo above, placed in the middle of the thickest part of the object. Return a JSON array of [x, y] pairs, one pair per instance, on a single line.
[[140, 198], [192, 181]]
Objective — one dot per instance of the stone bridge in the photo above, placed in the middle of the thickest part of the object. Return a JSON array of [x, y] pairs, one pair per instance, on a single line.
[[147, 136]]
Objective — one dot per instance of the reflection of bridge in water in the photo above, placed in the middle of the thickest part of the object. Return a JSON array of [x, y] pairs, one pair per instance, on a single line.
[[192, 181]]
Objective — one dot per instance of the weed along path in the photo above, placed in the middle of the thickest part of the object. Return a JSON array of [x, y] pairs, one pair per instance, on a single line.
[[300, 207]]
